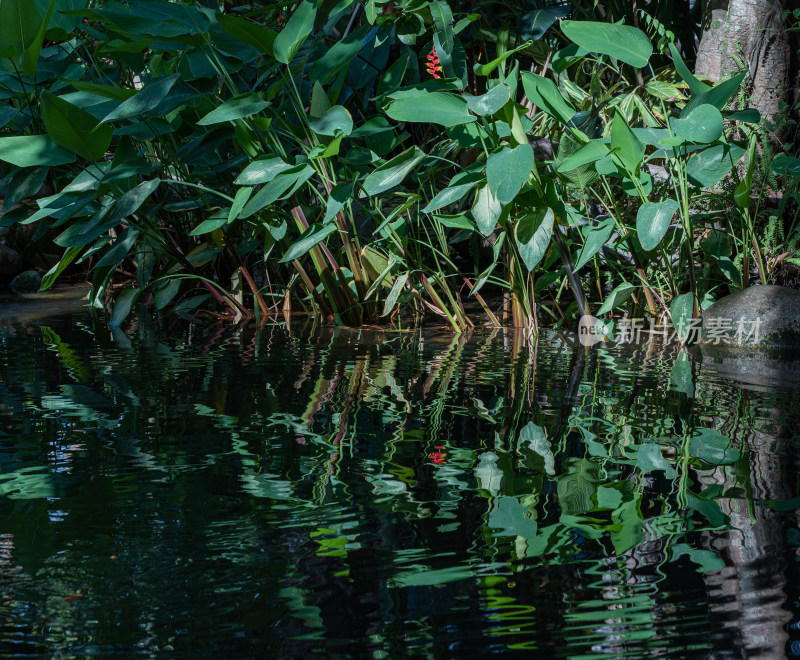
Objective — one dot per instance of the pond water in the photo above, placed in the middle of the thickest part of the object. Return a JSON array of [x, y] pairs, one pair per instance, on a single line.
[[375, 494]]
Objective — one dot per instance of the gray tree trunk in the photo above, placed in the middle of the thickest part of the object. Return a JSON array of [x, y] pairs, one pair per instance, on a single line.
[[751, 30]]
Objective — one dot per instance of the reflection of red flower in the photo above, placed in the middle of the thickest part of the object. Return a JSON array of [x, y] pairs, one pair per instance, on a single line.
[[433, 64], [438, 456]]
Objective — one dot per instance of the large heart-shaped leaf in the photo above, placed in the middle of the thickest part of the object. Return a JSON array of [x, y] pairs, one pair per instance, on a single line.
[[507, 170], [533, 236], [335, 122], [681, 310], [487, 210], [703, 125], [708, 167], [623, 42], [652, 222]]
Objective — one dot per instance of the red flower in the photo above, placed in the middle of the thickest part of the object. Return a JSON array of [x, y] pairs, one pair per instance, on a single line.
[[433, 64], [440, 455]]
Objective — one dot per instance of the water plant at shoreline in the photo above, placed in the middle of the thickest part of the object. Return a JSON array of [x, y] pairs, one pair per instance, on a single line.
[[360, 162]]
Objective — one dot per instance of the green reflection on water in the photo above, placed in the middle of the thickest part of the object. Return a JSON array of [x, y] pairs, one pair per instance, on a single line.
[[383, 494]]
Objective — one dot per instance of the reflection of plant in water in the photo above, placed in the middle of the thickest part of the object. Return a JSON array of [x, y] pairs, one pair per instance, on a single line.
[[518, 455]]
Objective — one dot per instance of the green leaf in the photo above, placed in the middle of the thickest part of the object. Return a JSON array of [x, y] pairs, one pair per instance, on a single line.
[[239, 201], [708, 167], [623, 42], [489, 67], [533, 437], [596, 238], [392, 173], [786, 165], [457, 221], [718, 96], [297, 29], [649, 458], [507, 170], [567, 56], [702, 125], [491, 101], [312, 236], [288, 179], [431, 108], [712, 447], [629, 151], [707, 560], [125, 241], [536, 22], [335, 122], [696, 87], [748, 115], [616, 298], [394, 293], [339, 197], [106, 91], [74, 128], [248, 32], [25, 183], [239, 107], [652, 222], [455, 192], [680, 311], [508, 517], [34, 150], [487, 210], [591, 152], [533, 233], [19, 25], [30, 58], [213, 222], [263, 170], [122, 306], [66, 259], [144, 100], [577, 485], [742, 193], [680, 376], [545, 95], [443, 22]]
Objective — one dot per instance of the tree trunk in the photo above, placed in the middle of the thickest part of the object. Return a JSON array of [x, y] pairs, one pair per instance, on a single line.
[[751, 30]]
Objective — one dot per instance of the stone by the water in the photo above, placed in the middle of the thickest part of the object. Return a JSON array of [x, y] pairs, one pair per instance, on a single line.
[[10, 263], [757, 317], [28, 281]]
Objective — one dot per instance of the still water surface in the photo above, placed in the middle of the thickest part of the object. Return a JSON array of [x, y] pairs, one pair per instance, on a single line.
[[382, 495]]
